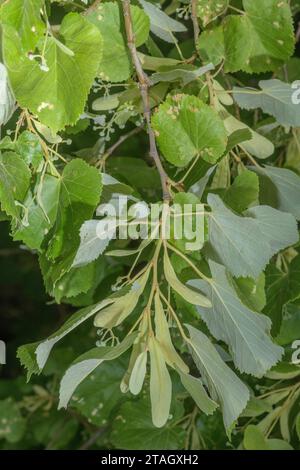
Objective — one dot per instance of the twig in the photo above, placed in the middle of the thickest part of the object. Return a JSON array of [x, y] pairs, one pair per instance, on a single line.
[[117, 144], [195, 21], [93, 439], [298, 33], [144, 84], [92, 8]]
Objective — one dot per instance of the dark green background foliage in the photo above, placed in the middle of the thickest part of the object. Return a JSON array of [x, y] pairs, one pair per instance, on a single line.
[[62, 136]]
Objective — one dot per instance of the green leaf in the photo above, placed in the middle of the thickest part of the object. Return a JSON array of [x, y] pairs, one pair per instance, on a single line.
[[286, 188], [290, 325], [52, 92], [251, 291], [79, 193], [195, 388], [243, 193], [133, 429], [76, 281], [95, 236], [14, 182], [279, 227], [199, 130], [53, 429], [256, 407], [34, 356], [12, 424], [254, 439], [237, 137], [187, 222], [292, 160], [282, 286], [25, 17], [41, 213], [26, 355], [115, 65], [275, 98], [208, 12], [298, 426], [278, 444], [243, 330], [224, 386], [268, 32], [28, 146], [246, 244], [99, 393], [87, 363], [134, 172], [221, 178], [211, 45]]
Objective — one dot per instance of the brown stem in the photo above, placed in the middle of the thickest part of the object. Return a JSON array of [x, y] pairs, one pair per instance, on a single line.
[[122, 139], [195, 21], [298, 33], [94, 437], [144, 84]]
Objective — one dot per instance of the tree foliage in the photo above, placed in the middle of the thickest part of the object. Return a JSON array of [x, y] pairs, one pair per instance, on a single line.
[[166, 343]]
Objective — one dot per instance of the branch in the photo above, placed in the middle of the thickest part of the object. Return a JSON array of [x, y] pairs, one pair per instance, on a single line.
[[144, 85], [120, 141], [94, 437], [195, 22]]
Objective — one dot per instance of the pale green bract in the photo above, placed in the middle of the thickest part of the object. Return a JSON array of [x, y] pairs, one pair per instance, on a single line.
[[160, 385], [258, 146], [161, 24]]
